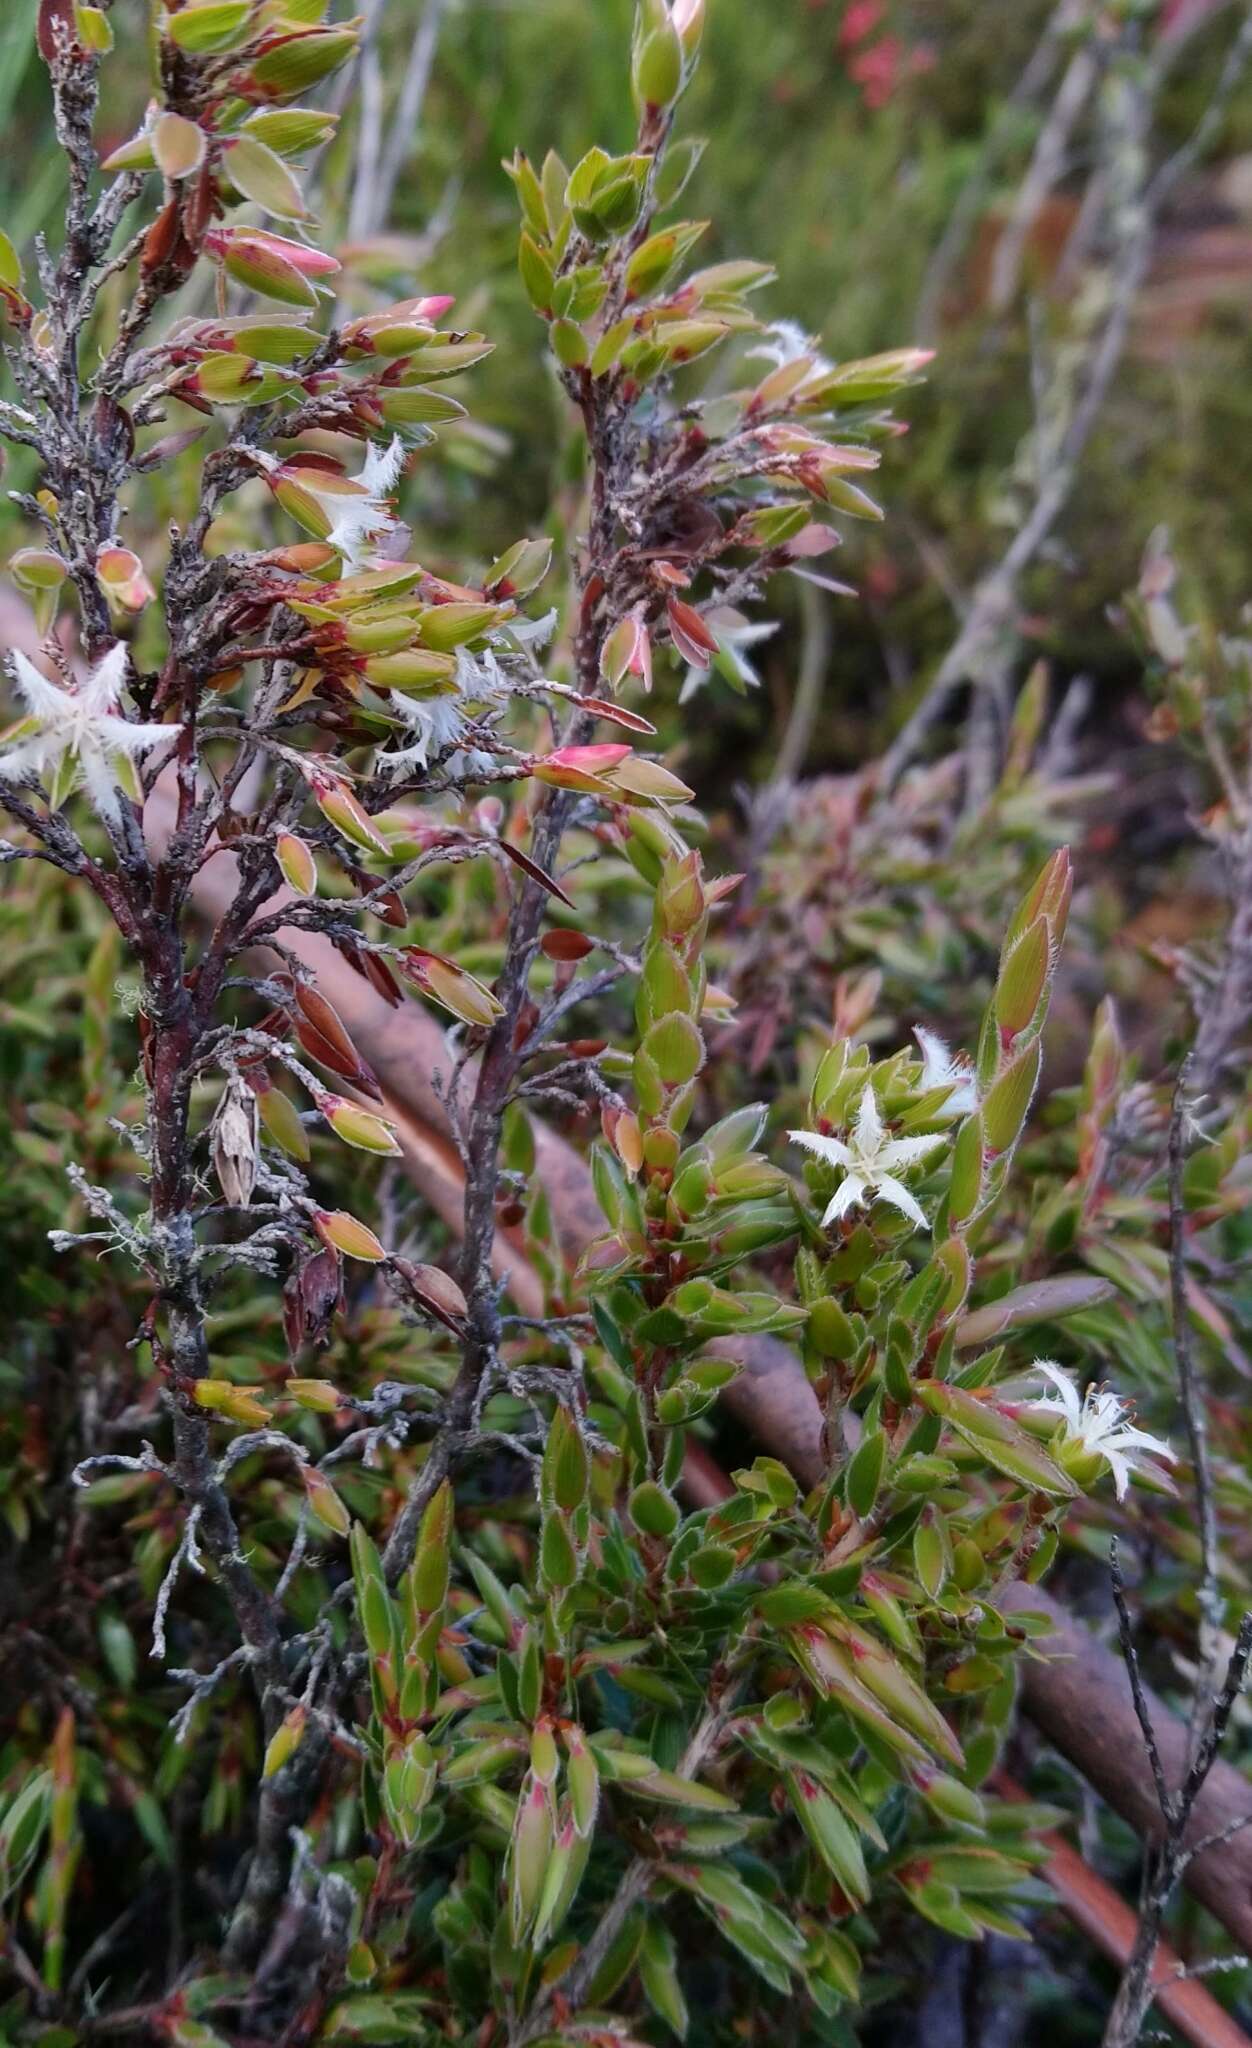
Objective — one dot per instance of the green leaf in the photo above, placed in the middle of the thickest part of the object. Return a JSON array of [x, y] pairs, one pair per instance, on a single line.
[[260, 174], [865, 1470], [658, 1974], [653, 1510], [569, 344], [208, 26], [537, 273], [932, 1552], [671, 1790], [393, 2019], [836, 1843], [558, 1559], [1038, 1301], [10, 264], [675, 1046], [996, 1437], [753, 1926], [1007, 1103]]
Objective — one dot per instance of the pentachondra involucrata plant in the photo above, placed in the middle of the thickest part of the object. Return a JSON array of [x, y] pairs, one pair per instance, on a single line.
[[495, 1712]]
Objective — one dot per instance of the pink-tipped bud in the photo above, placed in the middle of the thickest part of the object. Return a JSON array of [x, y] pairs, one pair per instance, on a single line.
[[688, 18], [589, 760], [123, 579], [582, 768], [627, 651], [274, 264]]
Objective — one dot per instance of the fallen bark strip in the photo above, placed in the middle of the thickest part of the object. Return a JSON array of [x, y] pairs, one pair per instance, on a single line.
[[1110, 1925], [1080, 1699]]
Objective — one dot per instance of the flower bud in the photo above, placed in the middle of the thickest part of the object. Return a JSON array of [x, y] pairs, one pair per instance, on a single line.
[[346, 1234], [657, 65], [321, 1397], [688, 19], [1022, 979], [1007, 1102], [273, 264], [462, 993], [448, 626], [290, 131], [123, 579], [281, 1120], [235, 1403], [285, 1740], [357, 1126], [324, 1502], [413, 669], [435, 1291], [566, 1466], [530, 1852], [298, 62], [408, 1781], [340, 808], [680, 897], [299, 869]]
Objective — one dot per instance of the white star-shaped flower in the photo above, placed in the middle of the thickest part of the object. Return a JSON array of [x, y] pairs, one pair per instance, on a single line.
[[532, 633], [1099, 1422], [786, 342], [442, 721], [944, 1069], [83, 724], [735, 635], [869, 1159], [439, 723], [362, 517]]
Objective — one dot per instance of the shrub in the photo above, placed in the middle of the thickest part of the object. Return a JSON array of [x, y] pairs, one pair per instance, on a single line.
[[489, 1693]]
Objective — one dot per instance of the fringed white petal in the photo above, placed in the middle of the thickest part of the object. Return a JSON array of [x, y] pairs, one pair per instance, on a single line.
[[889, 1189], [42, 698], [867, 1132], [103, 686], [832, 1150], [848, 1195]]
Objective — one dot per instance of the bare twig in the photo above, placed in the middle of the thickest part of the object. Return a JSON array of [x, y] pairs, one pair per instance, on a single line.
[[1065, 19], [815, 646], [1047, 163], [1135, 200], [1210, 1711], [1164, 1867]]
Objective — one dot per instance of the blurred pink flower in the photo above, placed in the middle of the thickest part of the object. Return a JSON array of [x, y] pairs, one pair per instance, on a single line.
[[860, 19], [877, 70]]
